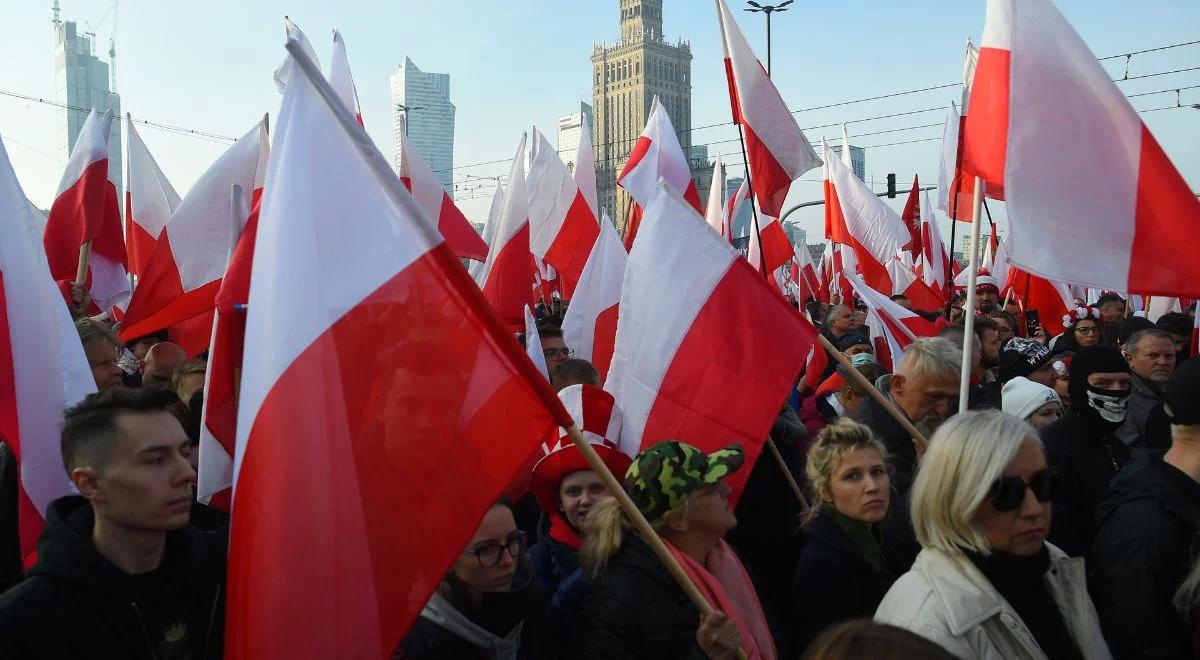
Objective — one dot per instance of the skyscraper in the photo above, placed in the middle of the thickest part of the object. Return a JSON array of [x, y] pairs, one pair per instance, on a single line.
[[626, 76], [422, 101], [81, 83], [569, 130], [858, 159]]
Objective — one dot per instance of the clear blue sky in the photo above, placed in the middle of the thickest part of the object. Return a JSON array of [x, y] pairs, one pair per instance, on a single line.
[[208, 66]]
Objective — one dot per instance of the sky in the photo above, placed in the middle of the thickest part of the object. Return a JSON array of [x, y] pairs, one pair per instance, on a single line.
[[514, 65]]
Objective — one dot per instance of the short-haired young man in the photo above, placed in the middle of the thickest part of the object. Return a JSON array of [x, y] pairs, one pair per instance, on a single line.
[[120, 572]]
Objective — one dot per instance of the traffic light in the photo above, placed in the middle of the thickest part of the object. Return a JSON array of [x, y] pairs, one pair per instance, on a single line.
[[891, 186]]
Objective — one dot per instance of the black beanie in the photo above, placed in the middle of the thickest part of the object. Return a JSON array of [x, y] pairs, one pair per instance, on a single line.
[[1093, 360], [1183, 393], [1126, 327], [1176, 323]]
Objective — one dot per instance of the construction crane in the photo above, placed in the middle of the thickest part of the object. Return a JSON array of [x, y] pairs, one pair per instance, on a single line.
[[112, 40]]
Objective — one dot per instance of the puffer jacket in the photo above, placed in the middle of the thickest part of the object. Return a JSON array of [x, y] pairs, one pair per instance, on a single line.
[[946, 599]]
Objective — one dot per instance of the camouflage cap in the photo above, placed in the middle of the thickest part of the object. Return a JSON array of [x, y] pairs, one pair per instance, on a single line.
[[663, 476]]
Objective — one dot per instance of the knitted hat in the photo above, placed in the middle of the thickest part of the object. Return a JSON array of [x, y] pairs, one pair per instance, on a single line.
[[852, 339], [1021, 357], [1023, 397], [662, 477], [1093, 360], [1183, 393], [985, 280]]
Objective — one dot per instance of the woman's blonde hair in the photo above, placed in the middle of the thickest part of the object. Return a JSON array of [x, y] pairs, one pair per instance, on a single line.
[[1187, 598], [605, 527], [966, 455], [834, 442]]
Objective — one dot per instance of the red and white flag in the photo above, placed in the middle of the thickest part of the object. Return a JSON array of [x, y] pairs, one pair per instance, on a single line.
[[435, 202], [476, 268], [533, 344], [585, 169], [777, 149], [349, 271], [1075, 159], [906, 282], [656, 155], [1051, 300], [178, 288], [43, 368], [149, 200], [936, 271], [679, 346], [893, 328], [911, 215], [715, 210], [590, 324], [733, 207], [562, 228], [85, 209], [340, 77], [508, 273], [804, 274]]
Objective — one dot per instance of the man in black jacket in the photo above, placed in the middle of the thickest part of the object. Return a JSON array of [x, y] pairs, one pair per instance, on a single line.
[[1083, 446], [1145, 545], [120, 572]]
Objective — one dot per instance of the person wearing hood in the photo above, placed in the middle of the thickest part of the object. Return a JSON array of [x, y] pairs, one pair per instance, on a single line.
[[1143, 550], [487, 607], [566, 489], [635, 609], [1084, 446], [120, 572]]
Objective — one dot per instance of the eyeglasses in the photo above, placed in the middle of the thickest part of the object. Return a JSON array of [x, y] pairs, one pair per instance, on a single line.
[[1009, 492], [1087, 331], [555, 352], [489, 555]]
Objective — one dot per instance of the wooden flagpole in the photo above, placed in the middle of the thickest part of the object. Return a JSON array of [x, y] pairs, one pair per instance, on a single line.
[[85, 252]]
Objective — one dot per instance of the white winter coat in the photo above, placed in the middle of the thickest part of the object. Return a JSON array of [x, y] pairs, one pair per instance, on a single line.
[[946, 599]]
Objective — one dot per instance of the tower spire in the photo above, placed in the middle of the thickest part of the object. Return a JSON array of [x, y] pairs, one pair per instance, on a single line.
[[56, 9]]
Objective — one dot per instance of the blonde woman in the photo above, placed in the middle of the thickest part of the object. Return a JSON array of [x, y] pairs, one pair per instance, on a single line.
[[986, 584], [845, 568]]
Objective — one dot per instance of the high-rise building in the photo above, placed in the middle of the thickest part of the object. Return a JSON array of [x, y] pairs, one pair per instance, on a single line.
[[858, 159], [421, 109], [81, 83], [570, 128], [626, 76]]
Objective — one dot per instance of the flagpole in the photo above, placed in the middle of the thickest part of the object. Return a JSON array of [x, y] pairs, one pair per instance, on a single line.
[[787, 474], [969, 306], [85, 252], [762, 265], [640, 523]]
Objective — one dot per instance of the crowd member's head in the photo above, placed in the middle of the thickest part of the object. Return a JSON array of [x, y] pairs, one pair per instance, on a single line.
[[1062, 379], [1006, 325], [902, 300], [847, 472], [853, 343], [1081, 327], [140, 345], [553, 346], [160, 364], [984, 487], [988, 332], [100, 347], [1099, 387], [925, 385], [1112, 307], [489, 562], [1033, 402], [1180, 325], [987, 292], [574, 372], [853, 395], [956, 335], [1078, 302], [1127, 327], [841, 319], [1182, 400], [1151, 355], [189, 379], [129, 457], [863, 638], [1028, 358]]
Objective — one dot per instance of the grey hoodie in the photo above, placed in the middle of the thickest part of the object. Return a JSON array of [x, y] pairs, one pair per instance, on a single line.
[[439, 611]]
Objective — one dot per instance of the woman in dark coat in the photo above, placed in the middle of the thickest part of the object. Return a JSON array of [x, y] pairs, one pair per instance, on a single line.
[[846, 567]]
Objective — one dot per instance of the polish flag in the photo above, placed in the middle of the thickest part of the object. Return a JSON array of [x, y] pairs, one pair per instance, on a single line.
[[1160, 305], [1075, 160], [43, 368], [773, 242], [590, 324], [897, 327], [341, 79], [825, 271], [911, 215], [775, 146], [804, 274], [435, 202], [862, 221], [715, 211], [475, 268], [509, 270], [562, 228], [656, 155], [1050, 299], [184, 273], [585, 169], [814, 367], [678, 347], [85, 209], [419, 384], [936, 271], [149, 200], [906, 282]]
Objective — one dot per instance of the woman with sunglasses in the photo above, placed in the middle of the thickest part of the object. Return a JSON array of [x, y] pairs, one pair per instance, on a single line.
[[986, 584], [486, 607]]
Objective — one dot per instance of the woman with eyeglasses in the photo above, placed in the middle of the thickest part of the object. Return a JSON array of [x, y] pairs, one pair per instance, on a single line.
[[986, 584], [486, 607], [1081, 328]]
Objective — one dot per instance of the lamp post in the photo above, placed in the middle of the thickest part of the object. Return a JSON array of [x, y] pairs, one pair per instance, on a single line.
[[768, 10], [407, 109]]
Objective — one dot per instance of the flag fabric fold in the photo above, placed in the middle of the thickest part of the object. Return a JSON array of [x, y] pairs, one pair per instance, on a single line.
[[149, 200], [508, 274], [590, 324], [435, 202], [562, 228]]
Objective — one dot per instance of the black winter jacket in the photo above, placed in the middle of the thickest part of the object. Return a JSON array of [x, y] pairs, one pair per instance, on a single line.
[[10, 535], [1144, 548], [1087, 459], [635, 610], [76, 604]]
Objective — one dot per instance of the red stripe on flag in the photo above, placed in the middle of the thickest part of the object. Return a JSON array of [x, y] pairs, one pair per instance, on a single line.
[[1162, 264], [460, 235], [571, 247], [733, 95], [776, 249], [603, 340], [835, 221], [510, 280], [631, 227], [771, 182], [635, 156], [140, 244], [986, 135]]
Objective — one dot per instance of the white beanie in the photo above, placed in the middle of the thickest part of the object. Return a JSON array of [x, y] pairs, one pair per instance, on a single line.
[[1023, 397]]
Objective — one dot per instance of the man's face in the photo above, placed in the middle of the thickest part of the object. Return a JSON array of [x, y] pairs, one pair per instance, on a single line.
[[147, 481], [986, 299], [556, 351], [1105, 380], [1153, 359], [1182, 342], [927, 400], [1112, 311], [102, 358], [1045, 375], [990, 356], [845, 320]]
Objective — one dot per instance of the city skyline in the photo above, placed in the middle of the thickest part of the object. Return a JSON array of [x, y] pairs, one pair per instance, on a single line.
[[422, 111]]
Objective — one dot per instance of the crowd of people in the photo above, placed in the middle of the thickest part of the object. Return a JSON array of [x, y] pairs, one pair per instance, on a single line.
[[1056, 518]]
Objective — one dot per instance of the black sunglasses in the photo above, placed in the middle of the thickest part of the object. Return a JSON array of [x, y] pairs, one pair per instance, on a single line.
[[1009, 492]]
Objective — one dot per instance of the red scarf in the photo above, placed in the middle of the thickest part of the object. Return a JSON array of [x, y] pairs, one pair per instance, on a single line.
[[563, 532]]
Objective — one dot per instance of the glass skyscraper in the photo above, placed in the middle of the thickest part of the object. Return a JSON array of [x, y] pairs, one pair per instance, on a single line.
[[422, 101]]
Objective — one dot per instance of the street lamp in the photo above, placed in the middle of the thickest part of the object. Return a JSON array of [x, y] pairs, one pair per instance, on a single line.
[[407, 109], [768, 10]]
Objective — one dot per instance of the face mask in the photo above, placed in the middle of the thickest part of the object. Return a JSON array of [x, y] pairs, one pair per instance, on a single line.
[[1109, 404], [861, 359]]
